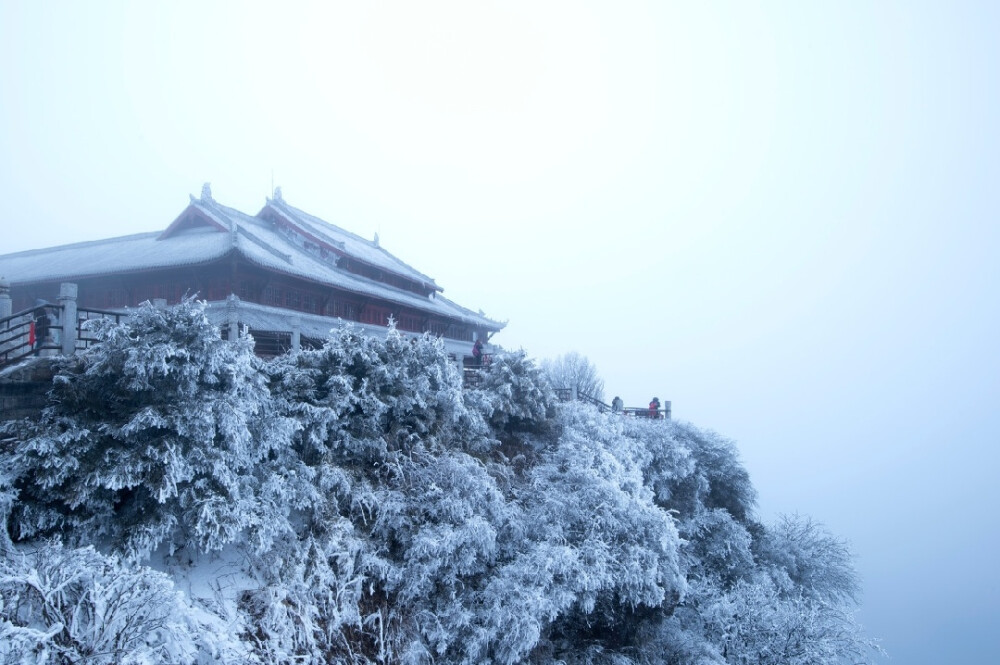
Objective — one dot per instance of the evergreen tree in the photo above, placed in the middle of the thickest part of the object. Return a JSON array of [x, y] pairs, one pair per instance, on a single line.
[[374, 511], [161, 433]]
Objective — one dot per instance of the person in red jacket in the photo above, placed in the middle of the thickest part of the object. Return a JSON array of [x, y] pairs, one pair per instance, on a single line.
[[654, 408]]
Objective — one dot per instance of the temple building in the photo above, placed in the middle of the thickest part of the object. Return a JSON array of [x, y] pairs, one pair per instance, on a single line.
[[286, 275]]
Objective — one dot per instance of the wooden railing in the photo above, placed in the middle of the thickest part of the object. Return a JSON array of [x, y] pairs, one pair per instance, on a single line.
[[471, 369], [568, 395]]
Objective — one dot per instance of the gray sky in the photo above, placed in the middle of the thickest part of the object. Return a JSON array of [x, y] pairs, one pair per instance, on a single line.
[[782, 218]]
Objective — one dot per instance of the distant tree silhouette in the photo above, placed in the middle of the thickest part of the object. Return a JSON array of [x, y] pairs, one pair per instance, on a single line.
[[574, 370]]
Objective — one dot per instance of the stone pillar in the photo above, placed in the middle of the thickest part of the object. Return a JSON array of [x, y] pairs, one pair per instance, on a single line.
[[666, 409], [296, 322], [5, 311], [67, 301], [233, 317], [5, 303]]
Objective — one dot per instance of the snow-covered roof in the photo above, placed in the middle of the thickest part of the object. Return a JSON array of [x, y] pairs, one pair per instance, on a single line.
[[358, 248], [114, 255], [207, 230]]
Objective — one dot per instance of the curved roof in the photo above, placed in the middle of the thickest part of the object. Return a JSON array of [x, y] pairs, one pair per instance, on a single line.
[[207, 231], [343, 241]]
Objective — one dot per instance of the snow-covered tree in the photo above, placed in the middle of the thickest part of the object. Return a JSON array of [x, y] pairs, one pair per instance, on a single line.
[[161, 433], [573, 370], [63, 605], [802, 556], [690, 469], [608, 551], [377, 512], [756, 623], [359, 391], [404, 514], [514, 394]]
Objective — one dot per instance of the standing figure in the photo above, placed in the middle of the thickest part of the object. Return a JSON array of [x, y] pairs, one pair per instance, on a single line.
[[617, 404], [477, 353], [41, 326], [654, 408]]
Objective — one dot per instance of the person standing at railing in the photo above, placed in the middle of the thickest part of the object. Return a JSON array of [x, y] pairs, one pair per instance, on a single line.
[[477, 353], [617, 404], [654, 408], [40, 329]]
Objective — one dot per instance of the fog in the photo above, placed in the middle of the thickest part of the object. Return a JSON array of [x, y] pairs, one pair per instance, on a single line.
[[783, 219]]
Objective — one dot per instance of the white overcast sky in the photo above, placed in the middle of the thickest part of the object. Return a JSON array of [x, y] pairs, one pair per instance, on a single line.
[[783, 218]]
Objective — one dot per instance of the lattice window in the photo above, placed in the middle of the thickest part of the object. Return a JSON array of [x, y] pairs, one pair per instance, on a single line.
[[409, 322], [344, 310], [375, 316], [271, 295]]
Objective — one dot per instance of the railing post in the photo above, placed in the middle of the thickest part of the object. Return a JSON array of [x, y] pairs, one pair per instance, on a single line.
[[67, 303], [573, 394], [233, 317], [5, 303], [296, 322], [5, 312]]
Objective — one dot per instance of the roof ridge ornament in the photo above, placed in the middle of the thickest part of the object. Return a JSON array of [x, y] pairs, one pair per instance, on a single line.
[[276, 196], [206, 192]]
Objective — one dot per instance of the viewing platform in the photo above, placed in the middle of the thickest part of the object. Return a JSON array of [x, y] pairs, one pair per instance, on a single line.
[[572, 395]]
